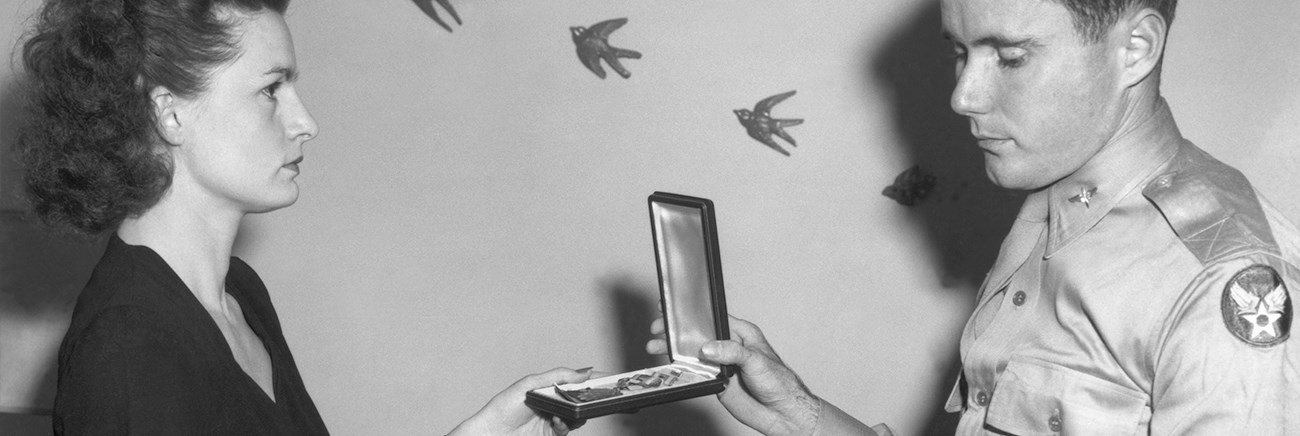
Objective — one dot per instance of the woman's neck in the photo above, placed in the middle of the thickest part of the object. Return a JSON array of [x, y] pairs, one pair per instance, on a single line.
[[194, 240]]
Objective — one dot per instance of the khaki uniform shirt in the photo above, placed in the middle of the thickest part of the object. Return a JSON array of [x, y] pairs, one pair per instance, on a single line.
[[1151, 292]]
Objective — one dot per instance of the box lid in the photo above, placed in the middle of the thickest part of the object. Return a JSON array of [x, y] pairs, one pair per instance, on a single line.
[[691, 293]]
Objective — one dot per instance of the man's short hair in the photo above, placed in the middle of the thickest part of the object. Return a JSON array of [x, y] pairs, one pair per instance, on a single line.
[[1093, 18]]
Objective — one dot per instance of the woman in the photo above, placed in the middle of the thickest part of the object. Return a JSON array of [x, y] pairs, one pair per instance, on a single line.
[[164, 122]]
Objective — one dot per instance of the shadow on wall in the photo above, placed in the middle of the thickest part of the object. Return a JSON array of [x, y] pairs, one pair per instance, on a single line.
[[634, 308], [965, 216], [40, 277]]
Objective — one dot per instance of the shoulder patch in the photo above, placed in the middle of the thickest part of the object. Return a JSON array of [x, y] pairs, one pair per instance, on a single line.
[[1256, 307]]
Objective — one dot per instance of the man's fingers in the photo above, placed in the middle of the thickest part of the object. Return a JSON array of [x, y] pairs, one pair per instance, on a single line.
[[656, 346], [657, 327], [730, 353], [745, 330]]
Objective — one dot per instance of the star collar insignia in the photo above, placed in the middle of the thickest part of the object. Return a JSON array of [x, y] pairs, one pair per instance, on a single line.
[[1085, 197], [1256, 307]]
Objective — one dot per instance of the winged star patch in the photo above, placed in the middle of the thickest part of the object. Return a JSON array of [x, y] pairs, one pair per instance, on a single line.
[[1256, 307]]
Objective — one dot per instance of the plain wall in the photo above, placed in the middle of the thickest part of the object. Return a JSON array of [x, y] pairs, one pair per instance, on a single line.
[[474, 207]]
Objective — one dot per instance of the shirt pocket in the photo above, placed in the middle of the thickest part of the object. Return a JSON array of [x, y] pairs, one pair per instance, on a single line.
[[1037, 398]]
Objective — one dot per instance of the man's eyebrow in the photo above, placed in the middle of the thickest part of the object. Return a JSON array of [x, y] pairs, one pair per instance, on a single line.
[[998, 41], [289, 73]]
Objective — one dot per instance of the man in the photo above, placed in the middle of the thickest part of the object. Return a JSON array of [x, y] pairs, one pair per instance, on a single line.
[[1144, 287]]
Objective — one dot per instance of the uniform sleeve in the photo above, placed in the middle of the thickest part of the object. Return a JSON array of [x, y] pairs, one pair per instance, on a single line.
[[125, 375], [832, 421], [1227, 362]]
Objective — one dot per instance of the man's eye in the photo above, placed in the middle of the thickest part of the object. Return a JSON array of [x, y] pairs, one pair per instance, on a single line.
[[1011, 57], [958, 52]]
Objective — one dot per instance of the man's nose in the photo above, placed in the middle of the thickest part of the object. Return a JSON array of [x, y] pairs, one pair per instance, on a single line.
[[971, 96]]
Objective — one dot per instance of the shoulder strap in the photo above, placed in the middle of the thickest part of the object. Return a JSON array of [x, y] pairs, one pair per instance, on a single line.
[[1210, 205]]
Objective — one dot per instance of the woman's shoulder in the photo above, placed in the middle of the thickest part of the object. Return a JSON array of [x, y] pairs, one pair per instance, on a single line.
[[128, 275], [131, 293]]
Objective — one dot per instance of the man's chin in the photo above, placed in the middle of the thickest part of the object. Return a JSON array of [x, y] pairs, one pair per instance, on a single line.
[[1007, 178]]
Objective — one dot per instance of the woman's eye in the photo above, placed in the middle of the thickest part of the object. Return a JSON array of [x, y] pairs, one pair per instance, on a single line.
[[269, 91]]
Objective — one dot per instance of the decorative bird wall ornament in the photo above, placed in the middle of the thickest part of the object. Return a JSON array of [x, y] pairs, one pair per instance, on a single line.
[[761, 126], [593, 45], [427, 7]]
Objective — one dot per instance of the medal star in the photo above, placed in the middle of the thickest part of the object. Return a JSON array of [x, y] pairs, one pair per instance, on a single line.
[[1085, 197], [1266, 311], [1262, 323]]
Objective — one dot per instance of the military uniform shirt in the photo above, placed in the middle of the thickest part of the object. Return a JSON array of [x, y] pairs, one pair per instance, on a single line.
[[1150, 292]]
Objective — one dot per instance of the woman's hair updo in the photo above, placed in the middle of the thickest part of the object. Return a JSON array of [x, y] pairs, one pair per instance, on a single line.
[[90, 149]]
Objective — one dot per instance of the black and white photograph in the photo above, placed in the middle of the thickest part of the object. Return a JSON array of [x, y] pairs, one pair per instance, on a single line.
[[714, 218]]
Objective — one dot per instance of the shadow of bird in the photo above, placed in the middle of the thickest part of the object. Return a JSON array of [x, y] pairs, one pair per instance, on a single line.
[[593, 45], [761, 126], [911, 186], [427, 7]]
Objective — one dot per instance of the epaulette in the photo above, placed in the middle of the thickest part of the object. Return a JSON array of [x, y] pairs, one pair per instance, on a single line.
[[1211, 206]]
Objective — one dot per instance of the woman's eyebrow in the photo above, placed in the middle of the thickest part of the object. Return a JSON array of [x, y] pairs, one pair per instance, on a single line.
[[289, 73]]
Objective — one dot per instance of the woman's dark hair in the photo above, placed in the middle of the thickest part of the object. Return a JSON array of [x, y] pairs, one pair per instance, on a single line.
[[90, 149]]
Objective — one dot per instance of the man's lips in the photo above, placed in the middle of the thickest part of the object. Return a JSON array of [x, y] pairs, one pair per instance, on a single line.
[[991, 143]]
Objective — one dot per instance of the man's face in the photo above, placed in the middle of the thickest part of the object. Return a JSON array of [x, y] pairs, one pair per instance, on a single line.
[[1041, 100]]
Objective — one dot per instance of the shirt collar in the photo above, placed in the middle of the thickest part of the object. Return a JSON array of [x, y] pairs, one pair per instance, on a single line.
[[1076, 203]]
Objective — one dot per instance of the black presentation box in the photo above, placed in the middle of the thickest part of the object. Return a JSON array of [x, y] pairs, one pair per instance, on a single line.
[[694, 309]]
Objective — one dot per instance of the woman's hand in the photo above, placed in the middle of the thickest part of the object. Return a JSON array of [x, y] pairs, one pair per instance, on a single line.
[[506, 414], [770, 397]]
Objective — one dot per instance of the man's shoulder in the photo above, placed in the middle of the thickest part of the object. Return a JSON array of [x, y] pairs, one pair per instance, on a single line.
[[1247, 250], [1211, 206]]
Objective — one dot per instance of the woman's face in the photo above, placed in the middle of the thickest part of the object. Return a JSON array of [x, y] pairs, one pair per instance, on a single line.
[[242, 138]]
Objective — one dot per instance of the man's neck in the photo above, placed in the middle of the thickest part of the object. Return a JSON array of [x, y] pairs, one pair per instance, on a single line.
[[1145, 112]]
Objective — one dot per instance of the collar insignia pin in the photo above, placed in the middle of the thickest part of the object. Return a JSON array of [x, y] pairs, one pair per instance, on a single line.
[[1085, 196]]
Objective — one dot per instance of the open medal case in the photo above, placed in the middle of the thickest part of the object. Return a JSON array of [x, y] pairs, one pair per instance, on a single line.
[[694, 309]]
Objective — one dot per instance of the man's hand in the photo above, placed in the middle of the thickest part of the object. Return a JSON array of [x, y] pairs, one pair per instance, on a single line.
[[506, 414], [770, 398]]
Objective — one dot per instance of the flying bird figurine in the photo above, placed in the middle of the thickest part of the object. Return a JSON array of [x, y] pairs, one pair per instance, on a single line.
[[593, 45], [427, 7], [761, 126]]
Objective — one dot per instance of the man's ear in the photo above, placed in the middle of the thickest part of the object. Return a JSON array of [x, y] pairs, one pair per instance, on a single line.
[[1143, 45], [166, 120]]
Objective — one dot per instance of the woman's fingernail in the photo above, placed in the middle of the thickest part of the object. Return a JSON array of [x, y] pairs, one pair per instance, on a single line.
[[709, 349], [586, 369]]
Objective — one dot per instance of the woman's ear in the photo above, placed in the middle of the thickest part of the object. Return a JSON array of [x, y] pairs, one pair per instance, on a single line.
[[1144, 45], [166, 120]]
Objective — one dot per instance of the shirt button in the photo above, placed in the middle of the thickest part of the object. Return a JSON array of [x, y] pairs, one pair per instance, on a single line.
[[982, 398], [1019, 299], [1054, 422]]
